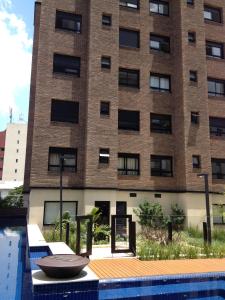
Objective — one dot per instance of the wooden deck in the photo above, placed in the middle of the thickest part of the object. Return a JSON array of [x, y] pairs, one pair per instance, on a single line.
[[132, 267]]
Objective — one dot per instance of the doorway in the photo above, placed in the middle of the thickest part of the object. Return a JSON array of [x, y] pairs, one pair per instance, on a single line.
[[104, 208]]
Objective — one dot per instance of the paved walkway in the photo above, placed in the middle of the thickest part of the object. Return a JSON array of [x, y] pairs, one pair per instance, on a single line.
[[132, 267]]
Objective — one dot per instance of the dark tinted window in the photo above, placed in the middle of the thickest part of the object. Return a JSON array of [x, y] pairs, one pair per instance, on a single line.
[[128, 120], [68, 21], [105, 62], [128, 164], [129, 38], [128, 77], [161, 166], [105, 108], [66, 64], [69, 156], [195, 117], [217, 126], [191, 37], [106, 20], [160, 43], [214, 49], [193, 76], [218, 168], [212, 14], [190, 2], [65, 111], [130, 3], [104, 156], [161, 123]]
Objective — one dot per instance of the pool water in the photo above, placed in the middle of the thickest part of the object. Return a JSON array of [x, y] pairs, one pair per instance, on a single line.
[[161, 288], [14, 272]]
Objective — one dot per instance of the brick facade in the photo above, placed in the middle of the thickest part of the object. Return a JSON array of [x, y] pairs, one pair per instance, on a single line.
[[95, 85]]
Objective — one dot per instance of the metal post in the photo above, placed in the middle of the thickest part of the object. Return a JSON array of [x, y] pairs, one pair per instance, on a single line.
[[205, 234], [207, 209], [67, 233], [208, 218], [170, 232], [60, 198]]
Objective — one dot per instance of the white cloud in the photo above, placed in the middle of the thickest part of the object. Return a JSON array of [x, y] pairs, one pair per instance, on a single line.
[[15, 57]]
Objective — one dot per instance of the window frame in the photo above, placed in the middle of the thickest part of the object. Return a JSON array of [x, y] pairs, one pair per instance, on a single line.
[[210, 45], [126, 170], [57, 69], [219, 175], [222, 216], [126, 4], [160, 76], [161, 117], [62, 151], [193, 35], [104, 158], [211, 9], [220, 130], [57, 26], [134, 126], [195, 116], [102, 112], [70, 103], [106, 62], [161, 172], [193, 76], [191, 2], [130, 31], [158, 2], [58, 202], [109, 24], [164, 43], [198, 164], [215, 81], [130, 71]]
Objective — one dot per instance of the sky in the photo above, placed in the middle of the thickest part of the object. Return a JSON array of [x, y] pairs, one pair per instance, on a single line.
[[16, 34]]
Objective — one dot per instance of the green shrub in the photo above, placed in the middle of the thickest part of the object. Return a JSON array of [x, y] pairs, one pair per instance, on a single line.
[[219, 235], [194, 232], [177, 217]]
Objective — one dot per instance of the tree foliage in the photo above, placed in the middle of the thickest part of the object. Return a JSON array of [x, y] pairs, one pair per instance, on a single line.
[[14, 199]]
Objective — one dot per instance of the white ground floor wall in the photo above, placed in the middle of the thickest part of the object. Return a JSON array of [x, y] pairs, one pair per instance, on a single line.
[[193, 204]]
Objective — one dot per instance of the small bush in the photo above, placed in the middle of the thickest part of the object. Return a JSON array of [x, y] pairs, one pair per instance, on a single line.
[[194, 232]]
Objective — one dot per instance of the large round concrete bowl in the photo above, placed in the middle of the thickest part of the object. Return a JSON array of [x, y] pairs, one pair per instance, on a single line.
[[62, 265]]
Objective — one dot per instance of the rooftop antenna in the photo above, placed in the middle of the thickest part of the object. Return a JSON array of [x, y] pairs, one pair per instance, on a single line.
[[10, 115]]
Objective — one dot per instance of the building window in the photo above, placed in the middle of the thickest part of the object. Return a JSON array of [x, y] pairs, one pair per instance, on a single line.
[[161, 166], [216, 87], [17, 160], [160, 82], [129, 38], [160, 7], [190, 2], [193, 76], [69, 162], [18, 132], [106, 62], [160, 123], [214, 49], [218, 213], [106, 20], [128, 77], [18, 141], [52, 211], [17, 150], [218, 168], [196, 162], [212, 14], [217, 126], [64, 111], [68, 21], [128, 164], [195, 117], [130, 3], [191, 37], [128, 120], [66, 64], [104, 108], [160, 43], [15, 170], [104, 156]]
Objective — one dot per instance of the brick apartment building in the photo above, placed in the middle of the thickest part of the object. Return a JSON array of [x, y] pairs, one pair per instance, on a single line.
[[131, 93]]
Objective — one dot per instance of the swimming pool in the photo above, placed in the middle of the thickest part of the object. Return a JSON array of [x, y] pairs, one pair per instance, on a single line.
[[15, 277], [200, 286]]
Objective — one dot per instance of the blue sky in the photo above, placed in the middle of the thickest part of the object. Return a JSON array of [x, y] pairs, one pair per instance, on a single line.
[[16, 33]]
